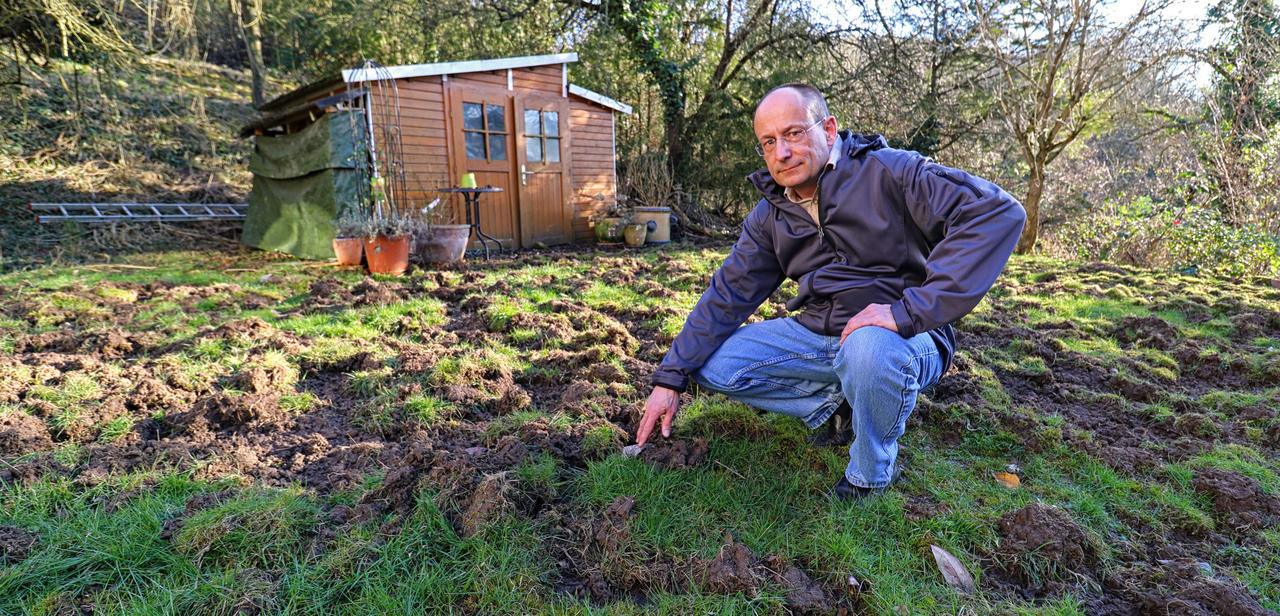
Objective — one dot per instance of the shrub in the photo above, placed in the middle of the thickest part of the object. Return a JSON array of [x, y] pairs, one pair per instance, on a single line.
[[1149, 233]]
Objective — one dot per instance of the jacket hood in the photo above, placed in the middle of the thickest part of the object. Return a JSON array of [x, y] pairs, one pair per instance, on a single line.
[[852, 145]]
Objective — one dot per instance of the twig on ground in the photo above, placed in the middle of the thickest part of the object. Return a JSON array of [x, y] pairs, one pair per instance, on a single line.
[[117, 265], [736, 473]]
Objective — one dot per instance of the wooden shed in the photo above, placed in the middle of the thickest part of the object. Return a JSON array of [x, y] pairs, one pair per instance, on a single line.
[[517, 123]]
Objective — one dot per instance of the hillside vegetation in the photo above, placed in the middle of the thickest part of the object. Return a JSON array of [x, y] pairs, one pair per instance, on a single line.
[[155, 130]]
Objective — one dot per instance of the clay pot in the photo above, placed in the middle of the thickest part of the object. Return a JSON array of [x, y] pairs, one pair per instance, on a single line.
[[635, 234], [387, 254], [348, 250], [441, 244]]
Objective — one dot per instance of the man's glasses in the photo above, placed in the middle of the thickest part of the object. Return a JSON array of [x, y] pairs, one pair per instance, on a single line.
[[795, 135]]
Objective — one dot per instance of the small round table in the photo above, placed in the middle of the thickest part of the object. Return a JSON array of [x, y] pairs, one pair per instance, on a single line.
[[471, 197]]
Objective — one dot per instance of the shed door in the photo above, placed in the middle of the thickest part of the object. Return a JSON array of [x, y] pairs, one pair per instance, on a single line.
[[484, 137], [542, 154]]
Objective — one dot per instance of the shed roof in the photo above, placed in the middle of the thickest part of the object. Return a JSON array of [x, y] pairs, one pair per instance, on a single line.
[[405, 71]]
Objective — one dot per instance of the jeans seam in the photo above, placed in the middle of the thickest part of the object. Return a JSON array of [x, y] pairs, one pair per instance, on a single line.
[[737, 376]]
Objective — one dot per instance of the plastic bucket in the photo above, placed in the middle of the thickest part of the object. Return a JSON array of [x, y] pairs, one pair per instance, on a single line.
[[658, 219]]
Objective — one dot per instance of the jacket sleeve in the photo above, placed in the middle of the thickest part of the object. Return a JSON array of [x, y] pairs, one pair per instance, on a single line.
[[972, 226], [747, 277]]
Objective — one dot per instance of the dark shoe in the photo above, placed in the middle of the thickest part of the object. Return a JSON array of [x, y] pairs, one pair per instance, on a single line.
[[847, 492], [838, 431]]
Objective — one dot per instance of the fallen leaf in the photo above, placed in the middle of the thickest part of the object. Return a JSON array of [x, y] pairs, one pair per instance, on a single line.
[[952, 570], [631, 451], [1008, 480], [855, 587]]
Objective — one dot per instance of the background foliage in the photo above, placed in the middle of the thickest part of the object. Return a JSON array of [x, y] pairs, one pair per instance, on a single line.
[[936, 76]]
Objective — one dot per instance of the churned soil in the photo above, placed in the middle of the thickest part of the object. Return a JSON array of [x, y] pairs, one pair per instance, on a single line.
[[589, 363]]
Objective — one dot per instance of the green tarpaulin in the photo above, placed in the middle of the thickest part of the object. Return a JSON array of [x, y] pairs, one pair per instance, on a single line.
[[301, 183]]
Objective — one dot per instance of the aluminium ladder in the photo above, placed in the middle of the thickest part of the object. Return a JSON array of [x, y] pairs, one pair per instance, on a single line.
[[136, 212]]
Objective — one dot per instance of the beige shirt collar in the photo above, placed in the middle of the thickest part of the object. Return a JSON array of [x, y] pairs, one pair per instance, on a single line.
[[808, 204]]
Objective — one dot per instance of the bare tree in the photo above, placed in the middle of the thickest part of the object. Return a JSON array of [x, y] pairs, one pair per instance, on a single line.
[[1059, 67], [915, 74], [725, 42], [250, 28]]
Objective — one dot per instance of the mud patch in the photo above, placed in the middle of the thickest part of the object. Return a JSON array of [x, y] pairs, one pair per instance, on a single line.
[[1238, 499], [1179, 586], [221, 411], [1041, 545], [736, 569], [491, 501], [260, 380], [675, 454], [21, 433], [15, 545]]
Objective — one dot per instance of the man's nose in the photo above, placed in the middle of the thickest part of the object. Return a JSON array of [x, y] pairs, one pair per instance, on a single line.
[[781, 149]]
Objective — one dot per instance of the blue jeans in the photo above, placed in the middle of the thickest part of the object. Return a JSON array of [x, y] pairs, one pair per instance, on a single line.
[[779, 366]]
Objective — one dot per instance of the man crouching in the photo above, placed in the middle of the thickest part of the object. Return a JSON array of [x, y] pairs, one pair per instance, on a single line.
[[888, 249]]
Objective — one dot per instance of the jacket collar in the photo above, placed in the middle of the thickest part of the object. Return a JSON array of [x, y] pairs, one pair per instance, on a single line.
[[852, 145]]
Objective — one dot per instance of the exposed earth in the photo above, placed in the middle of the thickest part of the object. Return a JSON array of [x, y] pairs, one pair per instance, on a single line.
[[1136, 414]]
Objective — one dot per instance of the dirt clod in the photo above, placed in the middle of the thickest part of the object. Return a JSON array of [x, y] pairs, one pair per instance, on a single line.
[[675, 454], [21, 433], [1238, 498], [1039, 541], [15, 544], [491, 500]]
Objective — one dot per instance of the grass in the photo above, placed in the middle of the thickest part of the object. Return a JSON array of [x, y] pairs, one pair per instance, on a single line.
[[273, 546]]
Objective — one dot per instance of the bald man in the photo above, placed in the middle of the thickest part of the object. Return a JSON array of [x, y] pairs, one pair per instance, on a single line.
[[888, 249]]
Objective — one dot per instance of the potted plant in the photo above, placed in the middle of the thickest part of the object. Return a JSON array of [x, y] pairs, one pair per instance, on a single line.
[[348, 237], [610, 225], [386, 242]]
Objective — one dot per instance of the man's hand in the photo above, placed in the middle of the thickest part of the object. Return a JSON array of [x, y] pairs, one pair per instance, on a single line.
[[873, 314], [663, 403]]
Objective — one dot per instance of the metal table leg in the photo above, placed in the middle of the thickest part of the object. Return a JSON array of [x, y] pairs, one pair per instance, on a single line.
[[473, 201]]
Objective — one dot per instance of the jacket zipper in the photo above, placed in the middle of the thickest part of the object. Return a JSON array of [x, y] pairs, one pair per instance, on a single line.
[[977, 194], [817, 194]]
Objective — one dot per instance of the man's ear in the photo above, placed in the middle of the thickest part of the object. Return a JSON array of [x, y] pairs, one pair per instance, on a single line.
[[831, 128]]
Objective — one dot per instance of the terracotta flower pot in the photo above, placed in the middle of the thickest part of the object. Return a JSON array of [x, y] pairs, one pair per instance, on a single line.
[[387, 255], [348, 250]]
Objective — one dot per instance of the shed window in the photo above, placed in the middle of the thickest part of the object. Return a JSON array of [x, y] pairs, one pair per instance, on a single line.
[[542, 132], [484, 128]]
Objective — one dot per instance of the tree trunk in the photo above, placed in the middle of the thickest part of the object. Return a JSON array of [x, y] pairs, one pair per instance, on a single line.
[[1035, 190], [251, 33]]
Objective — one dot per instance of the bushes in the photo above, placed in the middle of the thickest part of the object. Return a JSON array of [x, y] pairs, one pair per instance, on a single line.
[[1154, 234]]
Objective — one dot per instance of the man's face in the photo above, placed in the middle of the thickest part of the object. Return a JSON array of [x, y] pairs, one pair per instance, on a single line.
[[794, 165]]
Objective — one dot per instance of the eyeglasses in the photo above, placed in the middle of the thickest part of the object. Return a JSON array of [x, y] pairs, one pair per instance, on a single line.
[[795, 135]]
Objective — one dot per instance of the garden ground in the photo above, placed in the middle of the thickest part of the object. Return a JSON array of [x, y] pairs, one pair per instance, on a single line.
[[230, 432]]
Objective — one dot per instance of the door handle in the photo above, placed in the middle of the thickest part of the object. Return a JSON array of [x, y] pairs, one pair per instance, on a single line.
[[524, 173]]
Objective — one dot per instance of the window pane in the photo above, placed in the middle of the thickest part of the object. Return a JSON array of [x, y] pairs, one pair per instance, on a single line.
[[471, 117], [553, 150], [531, 122], [533, 149], [497, 147], [497, 118], [551, 122], [475, 145]]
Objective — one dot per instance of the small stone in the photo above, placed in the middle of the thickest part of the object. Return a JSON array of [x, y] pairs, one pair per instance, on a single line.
[[631, 451]]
